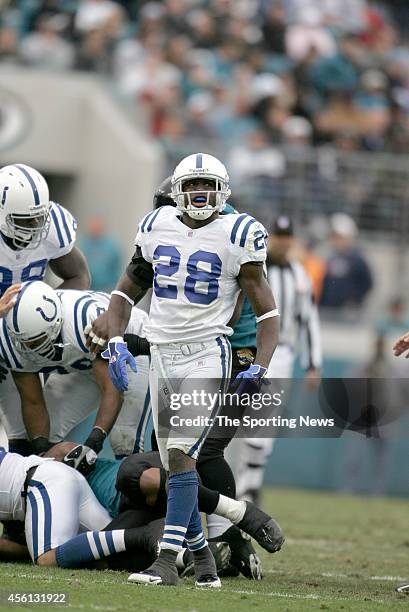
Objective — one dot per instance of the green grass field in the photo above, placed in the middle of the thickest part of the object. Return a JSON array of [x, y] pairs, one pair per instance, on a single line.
[[341, 553]]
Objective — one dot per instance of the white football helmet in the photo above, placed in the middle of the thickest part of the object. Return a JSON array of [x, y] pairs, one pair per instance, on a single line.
[[35, 321], [200, 165], [24, 206]]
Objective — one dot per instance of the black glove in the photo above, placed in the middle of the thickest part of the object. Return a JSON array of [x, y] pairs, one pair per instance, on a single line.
[[137, 345], [3, 373], [81, 458], [96, 439], [40, 445]]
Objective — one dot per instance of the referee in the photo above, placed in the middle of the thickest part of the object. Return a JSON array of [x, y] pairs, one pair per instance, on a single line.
[[299, 333]]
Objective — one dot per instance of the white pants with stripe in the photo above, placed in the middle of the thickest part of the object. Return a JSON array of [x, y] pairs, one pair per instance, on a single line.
[[71, 398], [59, 505], [252, 453], [186, 369]]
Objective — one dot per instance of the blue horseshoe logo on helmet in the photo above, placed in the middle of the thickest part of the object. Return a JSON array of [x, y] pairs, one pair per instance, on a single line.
[[42, 313]]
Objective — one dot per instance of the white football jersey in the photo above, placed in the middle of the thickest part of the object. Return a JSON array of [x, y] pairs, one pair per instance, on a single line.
[[195, 285], [79, 308], [30, 264], [13, 472]]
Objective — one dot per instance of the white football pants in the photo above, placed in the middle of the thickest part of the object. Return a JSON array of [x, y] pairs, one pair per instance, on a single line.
[[178, 369], [59, 504]]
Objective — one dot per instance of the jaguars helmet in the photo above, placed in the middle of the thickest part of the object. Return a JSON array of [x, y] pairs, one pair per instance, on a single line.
[[200, 165], [24, 206], [35, 321], [162, 195]]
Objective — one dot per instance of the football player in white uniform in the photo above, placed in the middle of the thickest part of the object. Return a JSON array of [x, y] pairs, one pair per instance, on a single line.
[[6, 303], [55, 502], [44, 332], [34, 233], [199, 261]]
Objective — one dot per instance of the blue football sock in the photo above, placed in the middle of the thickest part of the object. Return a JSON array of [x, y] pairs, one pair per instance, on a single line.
[[90, 546], [182, 497], [194, 535]]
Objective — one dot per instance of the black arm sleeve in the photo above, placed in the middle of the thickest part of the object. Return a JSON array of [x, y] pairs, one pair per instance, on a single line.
[[140, 271], [137, 345]]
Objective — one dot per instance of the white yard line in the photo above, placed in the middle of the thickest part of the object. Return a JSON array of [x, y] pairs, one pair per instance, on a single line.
[[341, 575]]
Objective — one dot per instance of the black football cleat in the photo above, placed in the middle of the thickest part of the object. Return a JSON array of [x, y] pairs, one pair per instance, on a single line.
[[243, 556], [264, 529], [161, 572], [208, 581], [403, 588]]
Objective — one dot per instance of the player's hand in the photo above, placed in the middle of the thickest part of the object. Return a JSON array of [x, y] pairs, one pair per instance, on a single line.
[[118, 355], [81, 458], [8, 300], [244, 380], [3, 373], [97, 333], [402, 345]]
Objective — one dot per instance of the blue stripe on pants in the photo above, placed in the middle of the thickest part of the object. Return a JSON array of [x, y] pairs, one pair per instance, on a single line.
[[47, 513], [222, 342], [34, 523]]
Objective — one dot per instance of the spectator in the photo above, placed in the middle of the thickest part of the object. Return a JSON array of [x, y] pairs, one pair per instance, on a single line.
[[396, 319], [296, 133], [255, 158], [103, 15], [314, 265], [8, 45], [94, 53], [103, 254], [348, 279], [45, 47], [274, 28], [307, 35]]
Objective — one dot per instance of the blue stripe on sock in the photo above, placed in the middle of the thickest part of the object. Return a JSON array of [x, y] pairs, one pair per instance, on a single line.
[[172, 541], [198, 546], [110, 541], [98, 544], [171, 532]]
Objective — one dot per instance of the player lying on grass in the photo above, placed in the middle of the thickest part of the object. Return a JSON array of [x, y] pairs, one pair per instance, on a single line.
[[55, 502], [134, 493], [44, 332]]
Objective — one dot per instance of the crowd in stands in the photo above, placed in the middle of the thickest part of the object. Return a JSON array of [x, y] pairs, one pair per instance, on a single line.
[[247, 73], [246, 80]]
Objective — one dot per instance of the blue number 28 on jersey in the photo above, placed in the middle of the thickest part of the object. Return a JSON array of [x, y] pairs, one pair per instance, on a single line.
[[195, 274]]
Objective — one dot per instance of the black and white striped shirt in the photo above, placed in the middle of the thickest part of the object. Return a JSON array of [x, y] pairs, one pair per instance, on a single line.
[[299, 319]]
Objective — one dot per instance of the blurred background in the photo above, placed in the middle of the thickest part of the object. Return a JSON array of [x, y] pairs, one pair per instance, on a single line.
[[306, 102]]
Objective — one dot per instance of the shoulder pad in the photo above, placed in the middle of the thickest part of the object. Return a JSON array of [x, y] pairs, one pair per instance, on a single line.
[[147, 223]]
